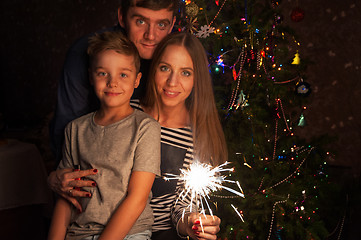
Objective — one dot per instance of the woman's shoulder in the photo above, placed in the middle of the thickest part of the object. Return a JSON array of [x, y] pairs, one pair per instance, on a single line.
[[183, 131], [187, 131], [180, 137], [135, 103]]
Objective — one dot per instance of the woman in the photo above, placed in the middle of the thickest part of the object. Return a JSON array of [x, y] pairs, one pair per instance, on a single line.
[[180, 97]]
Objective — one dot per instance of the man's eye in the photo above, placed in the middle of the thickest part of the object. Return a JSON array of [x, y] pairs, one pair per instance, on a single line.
[[140, 21], [162, 25], [164, 68]]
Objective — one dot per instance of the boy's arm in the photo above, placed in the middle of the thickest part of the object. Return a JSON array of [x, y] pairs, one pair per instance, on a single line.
[[60, 220], [129, 210]]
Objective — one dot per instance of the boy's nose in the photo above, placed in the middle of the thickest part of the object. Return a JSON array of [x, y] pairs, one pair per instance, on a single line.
[[112, 82]]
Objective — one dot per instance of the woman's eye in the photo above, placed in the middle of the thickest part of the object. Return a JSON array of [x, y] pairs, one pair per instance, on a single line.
[[164, 68], [186, 73]]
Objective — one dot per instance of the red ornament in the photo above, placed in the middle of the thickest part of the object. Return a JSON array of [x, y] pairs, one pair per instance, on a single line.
[[234, 73], [297, 14], [263, 54]]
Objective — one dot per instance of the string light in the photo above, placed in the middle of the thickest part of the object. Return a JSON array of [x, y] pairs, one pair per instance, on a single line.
[[242, 57], [294, 172], [273, 215], [217, 13]]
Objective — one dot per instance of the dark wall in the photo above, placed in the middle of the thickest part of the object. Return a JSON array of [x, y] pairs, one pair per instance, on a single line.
[[35, 38], [330, 39], [36, 35]]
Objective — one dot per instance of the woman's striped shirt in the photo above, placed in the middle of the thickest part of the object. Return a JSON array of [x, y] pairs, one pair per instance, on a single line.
[[176, 153]]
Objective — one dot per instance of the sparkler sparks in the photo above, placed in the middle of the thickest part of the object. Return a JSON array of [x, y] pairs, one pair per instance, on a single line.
[[238, 213], [200, 180]]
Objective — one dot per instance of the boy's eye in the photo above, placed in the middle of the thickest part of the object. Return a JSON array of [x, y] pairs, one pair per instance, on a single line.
[[102, 74], [164, 68], [123, 75]]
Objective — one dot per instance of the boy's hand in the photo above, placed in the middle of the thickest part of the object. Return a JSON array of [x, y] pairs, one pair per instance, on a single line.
[[63, 182]]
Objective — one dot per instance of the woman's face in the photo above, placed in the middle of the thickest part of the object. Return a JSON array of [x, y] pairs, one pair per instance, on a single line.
[[174, 76]]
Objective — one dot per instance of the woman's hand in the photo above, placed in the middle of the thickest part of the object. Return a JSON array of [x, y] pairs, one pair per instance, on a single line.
[[65, 183], [207, 230]]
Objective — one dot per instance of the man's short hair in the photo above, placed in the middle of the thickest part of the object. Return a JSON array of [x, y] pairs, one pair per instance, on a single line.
[[116, 41], [171, 5]]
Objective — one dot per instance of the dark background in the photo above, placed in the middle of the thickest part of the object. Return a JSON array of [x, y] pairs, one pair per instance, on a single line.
[[36, 35]]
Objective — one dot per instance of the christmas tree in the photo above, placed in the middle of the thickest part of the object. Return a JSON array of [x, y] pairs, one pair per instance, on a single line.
[[261, 93]]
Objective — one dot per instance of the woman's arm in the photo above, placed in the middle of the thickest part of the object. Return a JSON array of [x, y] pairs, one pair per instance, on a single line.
[[129, 210], [63, 181], [60, 220]]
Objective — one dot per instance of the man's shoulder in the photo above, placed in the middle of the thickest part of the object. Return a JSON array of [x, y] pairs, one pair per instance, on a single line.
[[81, 44]]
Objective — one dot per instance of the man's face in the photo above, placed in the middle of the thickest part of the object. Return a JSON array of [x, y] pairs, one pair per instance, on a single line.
[[146, 28]]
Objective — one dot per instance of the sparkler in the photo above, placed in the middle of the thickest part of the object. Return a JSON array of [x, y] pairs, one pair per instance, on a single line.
[[200, 180]]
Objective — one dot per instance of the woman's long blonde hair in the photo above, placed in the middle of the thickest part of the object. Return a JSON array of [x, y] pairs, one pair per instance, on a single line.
[[208, 137]]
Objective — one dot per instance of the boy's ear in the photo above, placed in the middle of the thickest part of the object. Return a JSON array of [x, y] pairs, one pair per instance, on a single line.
[[121, 18], [137, 80]]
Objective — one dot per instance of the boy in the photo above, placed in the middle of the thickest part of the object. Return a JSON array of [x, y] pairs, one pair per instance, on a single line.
[[122, 142]]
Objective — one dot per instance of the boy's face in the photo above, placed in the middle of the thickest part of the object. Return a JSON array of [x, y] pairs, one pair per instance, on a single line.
[[146, 28], [114, 78]]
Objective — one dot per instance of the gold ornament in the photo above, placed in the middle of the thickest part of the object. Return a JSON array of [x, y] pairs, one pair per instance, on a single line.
[[192, 9], [296, 59], [192, 25]]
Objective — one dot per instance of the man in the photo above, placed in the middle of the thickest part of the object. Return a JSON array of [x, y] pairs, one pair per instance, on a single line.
[[146, 23]]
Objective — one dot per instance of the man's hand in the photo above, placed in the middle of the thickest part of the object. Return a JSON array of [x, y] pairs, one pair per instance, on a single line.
[[63, 182]]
